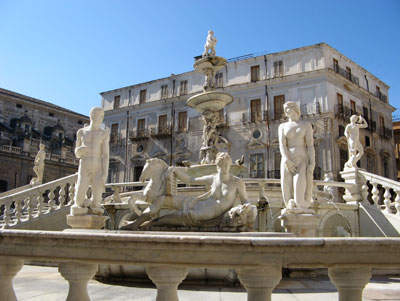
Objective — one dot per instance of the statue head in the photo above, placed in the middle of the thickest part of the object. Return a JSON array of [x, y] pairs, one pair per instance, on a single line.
[[291, 105], [42, 146], [96, 116], [223, 161], [210, 32], [354, 118]]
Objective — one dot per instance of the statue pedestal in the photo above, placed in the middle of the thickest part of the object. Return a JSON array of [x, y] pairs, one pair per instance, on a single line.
[[352, 194], [300, 224], [86, 221]]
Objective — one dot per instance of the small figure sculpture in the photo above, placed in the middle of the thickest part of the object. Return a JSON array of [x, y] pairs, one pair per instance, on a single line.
[[92, 148], [352, 133], [38, 168], [296, 145], [331, 190], [221, 198], [209, 47]]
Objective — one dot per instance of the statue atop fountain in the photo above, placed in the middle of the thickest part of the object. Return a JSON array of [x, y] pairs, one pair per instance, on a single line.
[[209, 47]]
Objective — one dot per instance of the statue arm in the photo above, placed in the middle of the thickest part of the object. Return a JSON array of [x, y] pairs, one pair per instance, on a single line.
[[182, 174], [105, 154], [346, 131], [310, 147], [241, 187], [78, 144], [364, 123]]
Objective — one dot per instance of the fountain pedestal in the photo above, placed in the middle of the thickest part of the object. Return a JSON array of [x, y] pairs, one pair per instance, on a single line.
[[304, 224]]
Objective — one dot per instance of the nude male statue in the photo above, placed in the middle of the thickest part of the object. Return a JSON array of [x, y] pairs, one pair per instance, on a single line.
[[298, 158], [221, 197], [352, 133], [38, 168], [209, 47], [92, 148]]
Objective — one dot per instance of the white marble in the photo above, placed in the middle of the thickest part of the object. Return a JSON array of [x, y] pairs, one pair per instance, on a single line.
[[296, 145], [38, 167], [209, 47], [92, 148], [352, 133]]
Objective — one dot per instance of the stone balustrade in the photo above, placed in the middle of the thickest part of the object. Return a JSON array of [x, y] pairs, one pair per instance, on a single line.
[[258, 260], [33, 202]]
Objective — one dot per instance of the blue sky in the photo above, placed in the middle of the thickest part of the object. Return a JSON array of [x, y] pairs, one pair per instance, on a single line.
[[67, 52]]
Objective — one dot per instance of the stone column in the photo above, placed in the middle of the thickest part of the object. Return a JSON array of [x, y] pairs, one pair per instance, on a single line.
[[260, 282], [167, 279], [78, 276], [349, 282], [9, 267]]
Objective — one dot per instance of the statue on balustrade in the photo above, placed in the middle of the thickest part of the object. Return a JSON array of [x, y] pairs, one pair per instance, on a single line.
[[92, 148], [296, 145], [214, 208], [352, 133], [38, 167]]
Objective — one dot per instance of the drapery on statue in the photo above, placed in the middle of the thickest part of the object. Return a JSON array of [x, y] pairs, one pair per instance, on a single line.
[[92, 148], [209, 47], [352, 133], [220, 199], [38, 167], [296, 145]]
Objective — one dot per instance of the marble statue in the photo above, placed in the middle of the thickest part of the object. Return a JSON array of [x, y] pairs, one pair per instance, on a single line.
[[92, 148], [154, 194], [298, 158], [218, 200], [352, 133], [209, 47], [38, 167]]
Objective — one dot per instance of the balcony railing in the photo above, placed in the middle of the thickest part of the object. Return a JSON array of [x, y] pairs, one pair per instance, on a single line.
[[161, 131], [381, 96], [311, 109], [343, 112], [257, 174], [343, 72], [386, 133], [139, 134]]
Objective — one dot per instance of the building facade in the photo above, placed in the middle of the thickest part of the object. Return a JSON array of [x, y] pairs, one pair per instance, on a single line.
[[152, 119], [25, 122]]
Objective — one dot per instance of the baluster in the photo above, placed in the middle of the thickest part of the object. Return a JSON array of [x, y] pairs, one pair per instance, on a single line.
[[29, 207], [52, 201], [18, 210], [387, 200], [40, 204], [7, 214], [375, 194], [61, 198], [71, 193]]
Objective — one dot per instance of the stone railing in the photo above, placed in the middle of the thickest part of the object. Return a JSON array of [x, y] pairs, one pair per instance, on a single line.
[[10, 149], [384, 192], [257, 259], [36, 201]]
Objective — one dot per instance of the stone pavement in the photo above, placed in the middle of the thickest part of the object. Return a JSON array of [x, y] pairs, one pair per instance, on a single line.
[[45, 283]]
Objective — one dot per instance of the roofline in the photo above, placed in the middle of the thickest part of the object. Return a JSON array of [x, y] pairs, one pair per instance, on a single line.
[[322, 44], [38, 101]]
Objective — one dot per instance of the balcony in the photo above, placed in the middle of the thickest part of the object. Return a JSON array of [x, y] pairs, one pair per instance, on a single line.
[[342, 112], [161, 131], [257, 174], [343, 72], [386, 133], [311, 109], [381, 96], [138, 135]]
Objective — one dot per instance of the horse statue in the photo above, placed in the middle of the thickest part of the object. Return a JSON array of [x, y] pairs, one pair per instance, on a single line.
[[159, 192], [209, 47]]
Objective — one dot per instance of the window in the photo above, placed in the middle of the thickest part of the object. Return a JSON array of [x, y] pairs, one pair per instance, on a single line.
[[341, 130], [279, 100], [335, 65], [382, 125], [19, 106], [255, 110], [277, 165], [257, 166], [142, 98], [378, 91], [183, 90], [340, 109], [116, 101], [385, 168], [3, 185], [114, 133], [352, 107], [182, 122], [365, 114], [348, 73], [51, 114], [162, 123], [278, 68], [367, 141], [80, 122], [219, 79], [255, 73], [343, 154], [164, 91]]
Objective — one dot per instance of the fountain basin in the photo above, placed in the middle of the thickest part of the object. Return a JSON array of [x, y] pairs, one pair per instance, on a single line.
[[213, 101], [209, 62]]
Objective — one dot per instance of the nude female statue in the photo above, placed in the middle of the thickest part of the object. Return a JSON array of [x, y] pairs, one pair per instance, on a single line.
[[352, 133], [224, 190], [298, 158]]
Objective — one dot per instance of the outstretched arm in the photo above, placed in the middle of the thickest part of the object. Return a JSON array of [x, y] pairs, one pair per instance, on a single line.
[[182, 174]]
